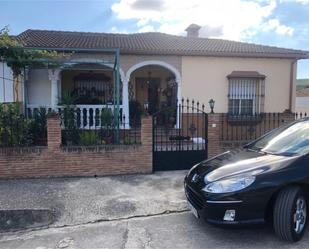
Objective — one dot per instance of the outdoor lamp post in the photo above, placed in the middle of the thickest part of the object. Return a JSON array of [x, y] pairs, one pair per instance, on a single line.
[[211, 105]]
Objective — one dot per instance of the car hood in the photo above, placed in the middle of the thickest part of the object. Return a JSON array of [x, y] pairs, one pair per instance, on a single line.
[[241, 162]]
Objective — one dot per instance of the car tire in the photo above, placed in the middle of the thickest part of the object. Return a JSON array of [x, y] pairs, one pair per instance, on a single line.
[[290, 214]]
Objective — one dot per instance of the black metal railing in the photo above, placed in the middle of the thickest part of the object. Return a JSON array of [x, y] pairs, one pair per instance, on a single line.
[[182, 127], [100, 128], [300, 115], [245, 128]]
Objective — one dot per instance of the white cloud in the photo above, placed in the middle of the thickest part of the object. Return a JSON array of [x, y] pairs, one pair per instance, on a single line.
[[274, 24], [147, 28], [231, 19], [114, 29]]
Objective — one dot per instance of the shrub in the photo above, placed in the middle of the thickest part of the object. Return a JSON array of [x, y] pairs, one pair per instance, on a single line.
[[15, 129], [90, 138], [107, 117]]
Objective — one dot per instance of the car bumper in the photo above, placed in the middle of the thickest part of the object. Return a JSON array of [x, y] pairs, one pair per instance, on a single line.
[[247, 211]]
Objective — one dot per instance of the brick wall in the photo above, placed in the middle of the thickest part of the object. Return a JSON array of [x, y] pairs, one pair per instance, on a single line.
[[57, 161]]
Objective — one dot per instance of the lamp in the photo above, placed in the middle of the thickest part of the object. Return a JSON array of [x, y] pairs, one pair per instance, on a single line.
[[211, 105]]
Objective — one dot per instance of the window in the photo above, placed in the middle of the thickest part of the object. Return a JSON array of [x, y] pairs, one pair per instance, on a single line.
[[6, 84], [246, 94], [93, 89]]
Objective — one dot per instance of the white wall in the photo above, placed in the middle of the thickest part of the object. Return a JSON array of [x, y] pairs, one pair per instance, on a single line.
[[6, 84], [38, 87]]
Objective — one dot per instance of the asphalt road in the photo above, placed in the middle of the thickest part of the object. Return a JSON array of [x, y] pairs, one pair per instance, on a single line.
[[177, 230]]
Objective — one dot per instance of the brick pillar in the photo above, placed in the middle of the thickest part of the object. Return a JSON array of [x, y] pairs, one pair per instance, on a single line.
[[53, 132], [214, 129], [146, 140]]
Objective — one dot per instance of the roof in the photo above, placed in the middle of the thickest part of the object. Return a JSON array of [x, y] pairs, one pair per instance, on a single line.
[[246, 74], [152, 43]]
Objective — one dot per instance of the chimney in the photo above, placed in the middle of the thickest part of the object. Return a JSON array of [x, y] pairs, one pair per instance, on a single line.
[[193, 30]]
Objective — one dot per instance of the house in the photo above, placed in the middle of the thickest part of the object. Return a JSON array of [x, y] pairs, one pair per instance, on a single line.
[[302, 96], [156, 69], [253, 87]]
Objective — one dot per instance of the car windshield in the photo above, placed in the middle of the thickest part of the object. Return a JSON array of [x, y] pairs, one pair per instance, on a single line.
[[288, 140]]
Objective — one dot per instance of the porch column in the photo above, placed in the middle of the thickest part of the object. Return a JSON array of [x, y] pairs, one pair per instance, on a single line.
[[53, 75], [125, 101]]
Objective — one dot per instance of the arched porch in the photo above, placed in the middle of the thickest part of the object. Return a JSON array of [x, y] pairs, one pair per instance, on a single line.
[[152, 86]]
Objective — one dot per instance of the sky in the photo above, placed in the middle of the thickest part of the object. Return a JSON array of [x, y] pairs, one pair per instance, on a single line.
[[282, 23]]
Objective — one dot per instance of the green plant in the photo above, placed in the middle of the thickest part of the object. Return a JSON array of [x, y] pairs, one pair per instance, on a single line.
[[14, 127], [90, 138], [136, 111], [107, 117], [17, 57], [127, 140], [67, 99], [69, 118], [38, 126]]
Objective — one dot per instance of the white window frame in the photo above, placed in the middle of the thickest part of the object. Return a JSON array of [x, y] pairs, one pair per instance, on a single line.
[[245, 89]]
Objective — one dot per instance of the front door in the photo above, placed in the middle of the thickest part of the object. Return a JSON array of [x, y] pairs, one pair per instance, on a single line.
[[153, 96], [147, 91]]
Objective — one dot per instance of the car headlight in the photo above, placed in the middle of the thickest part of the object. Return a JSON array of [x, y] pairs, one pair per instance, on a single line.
[[229, 184]]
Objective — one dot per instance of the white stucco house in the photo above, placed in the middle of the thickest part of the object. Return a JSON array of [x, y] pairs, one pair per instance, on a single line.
[[157, 69]]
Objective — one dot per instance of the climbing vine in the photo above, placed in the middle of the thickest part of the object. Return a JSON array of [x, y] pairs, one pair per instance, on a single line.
[[18, 57]]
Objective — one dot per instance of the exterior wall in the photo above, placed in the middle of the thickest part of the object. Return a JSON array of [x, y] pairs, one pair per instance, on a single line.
[[204, 78], [38, 87], [6, 84], [57, 161], [128, 60]]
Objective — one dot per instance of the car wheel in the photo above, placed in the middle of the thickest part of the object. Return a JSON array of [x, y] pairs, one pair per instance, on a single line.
[[290, 214]]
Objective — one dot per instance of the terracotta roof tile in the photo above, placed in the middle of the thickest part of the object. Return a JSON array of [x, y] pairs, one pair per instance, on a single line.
[[152, 43]]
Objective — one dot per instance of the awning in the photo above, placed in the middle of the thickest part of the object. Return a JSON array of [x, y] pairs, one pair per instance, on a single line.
[[246, 74]]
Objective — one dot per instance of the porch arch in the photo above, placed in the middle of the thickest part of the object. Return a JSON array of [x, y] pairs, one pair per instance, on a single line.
[[164, 65], [158, 63]]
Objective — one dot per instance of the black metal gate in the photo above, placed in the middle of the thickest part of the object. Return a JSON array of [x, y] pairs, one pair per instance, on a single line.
[[179, 136]]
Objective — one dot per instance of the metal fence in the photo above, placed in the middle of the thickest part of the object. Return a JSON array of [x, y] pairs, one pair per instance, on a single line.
[[245, 128], [97, 129], [300, 115]]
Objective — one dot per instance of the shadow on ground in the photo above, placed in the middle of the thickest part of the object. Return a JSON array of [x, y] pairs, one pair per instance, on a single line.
[[15, 220]]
